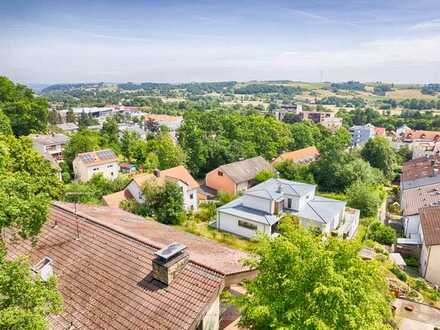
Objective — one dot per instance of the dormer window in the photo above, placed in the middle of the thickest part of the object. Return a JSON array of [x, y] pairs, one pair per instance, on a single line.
[[220, 173]]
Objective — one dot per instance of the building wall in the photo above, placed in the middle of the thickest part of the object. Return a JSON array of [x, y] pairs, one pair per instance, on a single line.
[[242, 186], [220, 183], [229, 223], [136, 192], [85, 173], [411, 225], [433, 266], [257, 203], [211, 321]]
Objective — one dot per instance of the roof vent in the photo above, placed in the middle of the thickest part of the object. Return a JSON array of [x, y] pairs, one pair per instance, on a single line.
[[168, 262], [44, 268]]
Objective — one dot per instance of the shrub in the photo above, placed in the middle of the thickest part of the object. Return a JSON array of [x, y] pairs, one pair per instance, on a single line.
[[382, 234], [401, 275]]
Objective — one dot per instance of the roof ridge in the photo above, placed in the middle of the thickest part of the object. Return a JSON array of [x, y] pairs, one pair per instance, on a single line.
[[325, 221], [125, 233]]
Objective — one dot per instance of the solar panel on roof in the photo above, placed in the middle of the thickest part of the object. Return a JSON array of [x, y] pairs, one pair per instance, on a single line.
[[171, 250], [106, 154]]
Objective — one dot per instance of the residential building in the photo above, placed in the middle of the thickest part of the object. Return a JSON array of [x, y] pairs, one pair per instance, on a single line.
[[95, 112], [261, 207], [87, 164], [361, 134], [179, 175], [236, 177], [316, 116], [420, 172], [402, 131], [430, 237], [294, 109], [425, 149], [68, 127], [332, 123], [117, 271], [421, 143], [171, 122], [135, 128], [421, 136], [51, 144], [301, 156]]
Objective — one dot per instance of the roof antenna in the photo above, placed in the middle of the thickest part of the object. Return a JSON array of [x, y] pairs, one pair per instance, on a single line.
[[76, 193]]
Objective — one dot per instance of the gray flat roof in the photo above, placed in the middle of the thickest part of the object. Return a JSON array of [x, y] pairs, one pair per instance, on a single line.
[[275, 187]]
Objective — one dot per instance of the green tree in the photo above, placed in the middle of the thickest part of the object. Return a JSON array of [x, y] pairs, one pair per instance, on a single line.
[[26, 302], [305, 282], [381, 233], [82, 141], [364, 197], [380, 154], [5, 124], [296, 172], [170, 210], [27, 113], [110, 132], [127, 141], [264, 175]]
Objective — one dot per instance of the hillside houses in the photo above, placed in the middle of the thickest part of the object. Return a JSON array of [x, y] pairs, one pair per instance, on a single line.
[[261, 207]]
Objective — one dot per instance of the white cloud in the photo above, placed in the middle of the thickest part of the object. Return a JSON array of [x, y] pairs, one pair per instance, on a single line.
[[427, 25]]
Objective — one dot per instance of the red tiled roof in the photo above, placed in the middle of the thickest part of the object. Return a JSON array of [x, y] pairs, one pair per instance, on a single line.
[[106, 281], [380, 131], [430, 222], [419, 168], [115, 199], [301, 155], [423, 135]]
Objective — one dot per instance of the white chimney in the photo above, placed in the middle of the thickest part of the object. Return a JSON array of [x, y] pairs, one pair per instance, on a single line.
[[44, 268]]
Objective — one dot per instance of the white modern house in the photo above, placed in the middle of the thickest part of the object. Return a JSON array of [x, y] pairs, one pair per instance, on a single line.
[[261, 207], [86, 165]]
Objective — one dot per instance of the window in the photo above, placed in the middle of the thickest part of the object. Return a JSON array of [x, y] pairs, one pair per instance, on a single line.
[[247, 225], [220, 173], [191, 196], [289, 203], [109, 166], [96, 168]]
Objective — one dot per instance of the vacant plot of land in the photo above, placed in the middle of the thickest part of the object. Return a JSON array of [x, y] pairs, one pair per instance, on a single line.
[[400, 94]]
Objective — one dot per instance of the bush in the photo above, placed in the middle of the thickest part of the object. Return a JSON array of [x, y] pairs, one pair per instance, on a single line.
[[382, 234], [401, 275], [365, 198], [264, 175]]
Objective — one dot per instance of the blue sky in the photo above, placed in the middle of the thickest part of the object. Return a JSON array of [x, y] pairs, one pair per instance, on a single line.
[[173, 41]]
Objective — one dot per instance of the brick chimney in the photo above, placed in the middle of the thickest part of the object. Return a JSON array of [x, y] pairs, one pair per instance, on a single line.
[[169, 262], [156, 173]]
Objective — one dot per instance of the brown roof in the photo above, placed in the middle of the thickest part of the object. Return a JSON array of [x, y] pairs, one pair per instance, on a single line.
[[115, 199], [178, 173], [106, 281], [417, 198], [302, 155], [379, 131], [422, 135], [216, 256], [419, 168], [430, 222], [50, 139], [245, 170], [97, 157]]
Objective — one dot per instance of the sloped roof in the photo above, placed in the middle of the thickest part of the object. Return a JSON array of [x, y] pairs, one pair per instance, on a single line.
[[93, 158], [49, 139], [216, 256], [302, 155], [245, 170], [163, 118], [115, 199], [273, 187], [321, 209], [236, 208], [430, 222], [423, 135], [417, 198], [420, 172], [178, 173], [106, 281]]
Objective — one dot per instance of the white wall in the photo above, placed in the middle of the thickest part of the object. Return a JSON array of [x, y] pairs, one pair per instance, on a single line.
[[211, 321], [85, 173], [243, 186], [258, 203], [433, 267], [229, 223], [411, 225], [136, 192]]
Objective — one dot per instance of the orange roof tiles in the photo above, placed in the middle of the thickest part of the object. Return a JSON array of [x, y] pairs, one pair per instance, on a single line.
[[163, 118], [417, 198], [430, 222], [380, 131], [115, 199], [106, 281], [302, 155], [93, 158], [422, 135], [173, 174]]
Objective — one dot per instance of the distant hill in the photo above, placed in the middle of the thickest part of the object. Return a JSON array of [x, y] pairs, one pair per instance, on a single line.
[[37, 88]]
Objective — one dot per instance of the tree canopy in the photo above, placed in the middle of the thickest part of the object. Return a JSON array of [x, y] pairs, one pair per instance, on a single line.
[[380, 154], [305, 282], [27, 113]]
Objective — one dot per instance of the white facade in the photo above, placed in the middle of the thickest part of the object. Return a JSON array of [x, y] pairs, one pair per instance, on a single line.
[[84, 172], [411, 225], [237, 226], [190, 196], [430, 262]]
